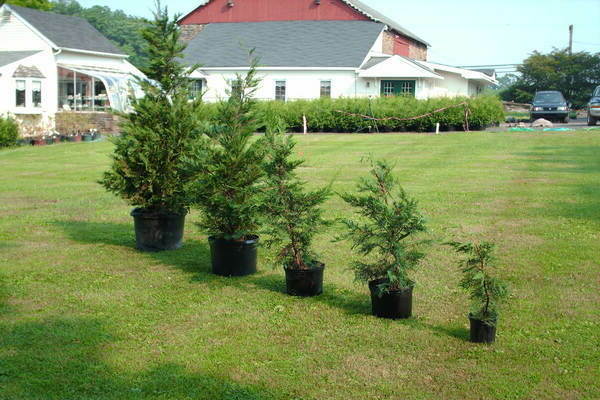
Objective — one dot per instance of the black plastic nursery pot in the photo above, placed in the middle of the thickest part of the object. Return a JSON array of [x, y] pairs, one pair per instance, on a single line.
[[393, 304], [157, 231], [233, 257], [305, 282], [482, 332]]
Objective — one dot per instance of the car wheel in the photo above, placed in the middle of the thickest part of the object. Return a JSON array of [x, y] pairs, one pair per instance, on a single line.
[[591, 121], [565, 120]]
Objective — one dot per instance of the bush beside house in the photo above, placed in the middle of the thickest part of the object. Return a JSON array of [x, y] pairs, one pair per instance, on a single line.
[[9, 132]]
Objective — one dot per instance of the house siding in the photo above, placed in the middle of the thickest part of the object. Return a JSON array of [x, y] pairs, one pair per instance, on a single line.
[[16, 36]]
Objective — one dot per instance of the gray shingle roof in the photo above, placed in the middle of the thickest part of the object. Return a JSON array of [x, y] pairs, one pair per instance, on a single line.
[[23, 71], [284, 43], [9, 57], [66, 31]]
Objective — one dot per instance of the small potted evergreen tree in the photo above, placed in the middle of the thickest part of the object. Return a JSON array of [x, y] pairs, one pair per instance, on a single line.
[[485, 291], [149, 167], [383, 235], [228, 174], [293, 216]]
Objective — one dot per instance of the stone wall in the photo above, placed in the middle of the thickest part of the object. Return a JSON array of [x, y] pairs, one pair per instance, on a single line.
[[188, 32], [69, 122]]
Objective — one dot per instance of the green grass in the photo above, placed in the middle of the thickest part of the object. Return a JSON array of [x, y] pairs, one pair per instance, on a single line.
[[83, 315]]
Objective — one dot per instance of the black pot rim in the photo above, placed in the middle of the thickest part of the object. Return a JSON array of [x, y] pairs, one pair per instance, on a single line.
[[319, 267], [376, 282], [253, 239], [141, 212], [480, 320]]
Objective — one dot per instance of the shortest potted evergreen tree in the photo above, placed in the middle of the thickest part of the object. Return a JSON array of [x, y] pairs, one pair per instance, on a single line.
[[383, 235], [150, 167], [485, 291], [228, 173], [293, 216]]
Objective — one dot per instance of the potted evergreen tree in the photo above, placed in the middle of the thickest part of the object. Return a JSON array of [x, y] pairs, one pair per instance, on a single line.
[[383, 235], [229, 172], [149, 167], [485, 291], [293, 216]]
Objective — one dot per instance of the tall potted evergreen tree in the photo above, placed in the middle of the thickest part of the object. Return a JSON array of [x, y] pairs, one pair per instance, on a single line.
[[293, 216], [485, 291], [229, 172], [149, 167], [383, 235]]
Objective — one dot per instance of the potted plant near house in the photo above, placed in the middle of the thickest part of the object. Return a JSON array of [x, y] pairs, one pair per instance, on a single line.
[[229, 171], [384, 235], [149, 167], [293, 216], [485, 291]]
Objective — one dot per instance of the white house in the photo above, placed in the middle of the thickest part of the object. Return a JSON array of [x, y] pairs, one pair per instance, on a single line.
[[51, 63], [309, 49]]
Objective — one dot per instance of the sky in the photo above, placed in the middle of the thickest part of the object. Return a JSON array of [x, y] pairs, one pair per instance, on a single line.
[[464, 32]]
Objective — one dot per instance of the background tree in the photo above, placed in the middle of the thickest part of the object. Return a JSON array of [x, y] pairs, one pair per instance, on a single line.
[[37, 4], [574, 75], [125, 31]]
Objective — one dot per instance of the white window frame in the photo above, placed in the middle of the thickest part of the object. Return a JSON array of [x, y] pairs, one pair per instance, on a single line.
[[285, 86], [321, 88], [25, 85], [33, 82]]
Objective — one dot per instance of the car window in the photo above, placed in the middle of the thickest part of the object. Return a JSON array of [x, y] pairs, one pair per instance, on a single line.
[[597, 92], [549, 98]]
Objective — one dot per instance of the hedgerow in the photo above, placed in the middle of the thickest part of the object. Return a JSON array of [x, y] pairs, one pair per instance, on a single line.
[[322, 115]]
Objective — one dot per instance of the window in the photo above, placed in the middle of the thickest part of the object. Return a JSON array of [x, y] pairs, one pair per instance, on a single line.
[[387, 88], [36, 93], [407, 88], [280, 89], [398, 88], [326, 89], [20, 93], [196, 87]]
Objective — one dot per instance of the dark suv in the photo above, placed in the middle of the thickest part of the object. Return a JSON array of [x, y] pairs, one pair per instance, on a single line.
[[593, 114], [550, 105]]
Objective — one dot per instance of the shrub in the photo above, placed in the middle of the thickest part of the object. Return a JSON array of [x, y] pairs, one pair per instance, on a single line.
[[150, 159], [293, 214], [384, 232], [229, 169], [322, 115], [9, 132], [485, 291]]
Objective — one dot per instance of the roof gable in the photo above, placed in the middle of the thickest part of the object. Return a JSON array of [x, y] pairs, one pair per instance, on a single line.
[[67, 32], [355, 5], [294, 44]]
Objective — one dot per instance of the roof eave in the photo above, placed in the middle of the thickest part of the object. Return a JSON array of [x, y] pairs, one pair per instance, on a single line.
[[97, 53]]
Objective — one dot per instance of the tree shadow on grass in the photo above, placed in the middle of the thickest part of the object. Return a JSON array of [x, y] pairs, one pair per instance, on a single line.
[[194, 258], [63, 358]]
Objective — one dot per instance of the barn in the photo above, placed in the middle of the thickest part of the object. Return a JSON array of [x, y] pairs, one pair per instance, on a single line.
[[309, 49]]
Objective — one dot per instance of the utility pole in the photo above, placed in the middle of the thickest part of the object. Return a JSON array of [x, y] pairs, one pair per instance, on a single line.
[[570, 39]]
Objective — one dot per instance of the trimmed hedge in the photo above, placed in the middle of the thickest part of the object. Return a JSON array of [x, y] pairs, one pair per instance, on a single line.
[[9, 132], [321, 114]]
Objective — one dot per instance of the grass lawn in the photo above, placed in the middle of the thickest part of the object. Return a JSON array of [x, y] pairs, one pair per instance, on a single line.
[[83, 315]]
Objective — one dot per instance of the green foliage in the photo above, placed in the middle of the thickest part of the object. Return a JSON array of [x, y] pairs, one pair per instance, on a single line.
[[229, 170], [574, 75], [43, 5], [9, 132], [123, 30], [293, 214], [485, 291], [150, 161], [388, 220], [323, 116]]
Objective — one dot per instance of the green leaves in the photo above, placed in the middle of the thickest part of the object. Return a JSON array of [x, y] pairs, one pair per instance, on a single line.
[[387, 220], [485, 291], [228, 168], [293, 215], [9, 132], [150, 168]]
